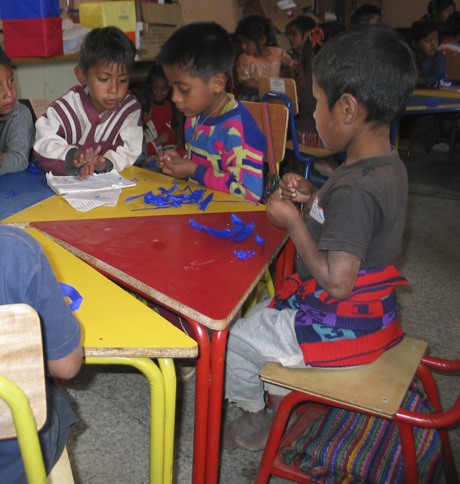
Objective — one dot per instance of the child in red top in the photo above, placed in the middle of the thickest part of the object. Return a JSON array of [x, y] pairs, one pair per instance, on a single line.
[[163, 114]]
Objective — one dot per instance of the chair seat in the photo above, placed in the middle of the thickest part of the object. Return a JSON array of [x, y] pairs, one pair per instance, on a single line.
[[378, 387], [311, 151]]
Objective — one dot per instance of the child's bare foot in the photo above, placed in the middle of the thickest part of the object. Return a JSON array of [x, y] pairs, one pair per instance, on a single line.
[[249, 431]]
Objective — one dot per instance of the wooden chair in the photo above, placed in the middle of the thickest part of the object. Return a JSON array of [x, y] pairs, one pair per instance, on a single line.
[[452, 64], [279, 123], [22, 391], [282, 90], [376, 389]]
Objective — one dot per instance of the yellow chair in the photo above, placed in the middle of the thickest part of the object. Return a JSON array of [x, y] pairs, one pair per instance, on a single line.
[[22, 389], [278, 122], [376, 389]]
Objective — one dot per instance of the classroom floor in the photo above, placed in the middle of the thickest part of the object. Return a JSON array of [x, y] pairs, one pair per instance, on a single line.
[[111, 443]]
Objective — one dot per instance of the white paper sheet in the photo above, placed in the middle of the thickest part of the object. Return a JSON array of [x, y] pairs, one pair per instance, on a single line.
[[98, 190]]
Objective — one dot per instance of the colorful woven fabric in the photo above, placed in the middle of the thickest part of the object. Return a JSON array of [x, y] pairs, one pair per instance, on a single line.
[[349, 332], [345, 446]]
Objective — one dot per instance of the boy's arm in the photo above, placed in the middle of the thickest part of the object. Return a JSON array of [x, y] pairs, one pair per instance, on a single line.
[[334, 270], [130, 147], [19, 140], [237, 163], [51, 148]]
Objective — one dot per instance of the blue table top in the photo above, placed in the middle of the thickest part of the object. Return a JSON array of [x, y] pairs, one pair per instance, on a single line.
[[433, 102], [21, 190]]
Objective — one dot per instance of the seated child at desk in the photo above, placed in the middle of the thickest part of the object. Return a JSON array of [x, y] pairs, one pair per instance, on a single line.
[[16, 124], [340, 310], [259, 57], [296, 32], [143, 94], [97, 125], [431, 63], [431, 66], [224, 144], [163, 115]]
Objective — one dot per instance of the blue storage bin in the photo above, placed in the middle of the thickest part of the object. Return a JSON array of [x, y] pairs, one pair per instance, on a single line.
[[22, 9]]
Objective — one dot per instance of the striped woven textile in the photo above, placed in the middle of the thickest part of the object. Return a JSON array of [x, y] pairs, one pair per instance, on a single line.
[[345, 446]]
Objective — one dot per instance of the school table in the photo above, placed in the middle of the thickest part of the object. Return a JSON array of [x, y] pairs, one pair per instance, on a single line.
[[21, 190], [192, 273], [430, 101], [56, 208], [118, 329]]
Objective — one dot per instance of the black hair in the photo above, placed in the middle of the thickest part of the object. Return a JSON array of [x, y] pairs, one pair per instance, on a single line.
[[155, 72], [202, 49], [5, 60], [436, 7], [253, 27], [364, 13], [452, 25], [143, 94], [375, 65], [422, 28], [303, 23], [331, 29], [108, 45]]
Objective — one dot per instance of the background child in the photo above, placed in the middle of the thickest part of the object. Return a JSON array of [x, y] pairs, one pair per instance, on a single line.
[[296, 31], [331, 314], [26, 277], [224, 144], [431, 63], [307, 133], [16, 125], [164, 116], [431, 66], [259, 57], [144, 95], [97, 125], [366, 14], [439, 10]]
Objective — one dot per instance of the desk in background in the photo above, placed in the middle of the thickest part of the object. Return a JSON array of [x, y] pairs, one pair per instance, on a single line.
[[431, 101]]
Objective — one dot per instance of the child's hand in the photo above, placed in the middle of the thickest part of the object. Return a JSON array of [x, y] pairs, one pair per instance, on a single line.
[[87, 161], [283, 213], [161, 139], [171, 163], [295, 188]]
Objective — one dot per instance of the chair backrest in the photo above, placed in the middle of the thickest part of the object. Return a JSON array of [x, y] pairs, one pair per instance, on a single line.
[[452, 64], [280, 85], [22, 383], [21, 361], [279, 117]]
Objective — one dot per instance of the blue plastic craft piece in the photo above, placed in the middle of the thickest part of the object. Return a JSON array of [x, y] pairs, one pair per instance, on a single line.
[[72, 294], [244, 254], [239, 231], [174, 197]]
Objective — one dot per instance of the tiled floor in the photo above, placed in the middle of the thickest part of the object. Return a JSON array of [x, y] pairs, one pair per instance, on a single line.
[[111, 444]]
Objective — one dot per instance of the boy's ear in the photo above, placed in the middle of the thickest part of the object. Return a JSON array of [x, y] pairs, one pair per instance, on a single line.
[[219, 82], [350, 108], [79, 74]]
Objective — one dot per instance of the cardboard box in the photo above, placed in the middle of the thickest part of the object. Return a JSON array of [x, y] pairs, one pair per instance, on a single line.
[[20, 9], [37, 37], [121, 14], [160, 21]]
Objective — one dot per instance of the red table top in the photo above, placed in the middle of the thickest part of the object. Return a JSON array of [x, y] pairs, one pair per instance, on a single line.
[[171, 262]]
